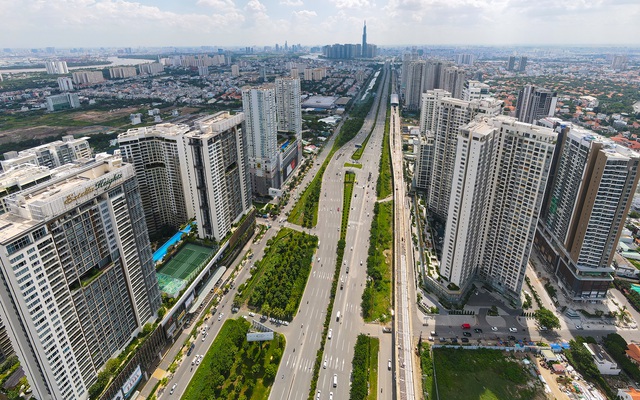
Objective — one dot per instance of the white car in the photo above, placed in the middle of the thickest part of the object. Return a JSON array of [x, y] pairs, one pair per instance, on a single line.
[[318, 396], [513, 330], [173, 388], [220, 316], [330, 332], [330, 395], [494, 328], [324, 365], [252, 314]]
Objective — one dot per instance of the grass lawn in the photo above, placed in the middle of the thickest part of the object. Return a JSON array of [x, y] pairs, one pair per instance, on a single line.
[[277, 284], [376, 299], [383, 188], [235, 368], [483, 374], [347, 165]]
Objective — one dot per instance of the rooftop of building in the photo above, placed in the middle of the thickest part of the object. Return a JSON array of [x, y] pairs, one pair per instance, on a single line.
[[167, 129], [39, 203], [598, 353], [218, 122]]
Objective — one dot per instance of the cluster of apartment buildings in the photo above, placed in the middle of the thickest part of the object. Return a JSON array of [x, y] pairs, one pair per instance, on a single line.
[[500, 185], [77, 267]]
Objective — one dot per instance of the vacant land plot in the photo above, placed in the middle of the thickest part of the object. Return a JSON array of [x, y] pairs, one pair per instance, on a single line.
[[483, 374]]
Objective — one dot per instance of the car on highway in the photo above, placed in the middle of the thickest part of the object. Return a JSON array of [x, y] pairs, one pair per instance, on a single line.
[[324, 364], [467, 334], [494, 328], [318, 396], [330, 395], [220, 316], [347, 270], [330, 332], [513, 330], [335, 380], [173, 388], [389, 365]]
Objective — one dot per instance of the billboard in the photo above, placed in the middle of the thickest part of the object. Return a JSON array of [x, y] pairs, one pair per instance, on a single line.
[[259, 336], [133, 380]]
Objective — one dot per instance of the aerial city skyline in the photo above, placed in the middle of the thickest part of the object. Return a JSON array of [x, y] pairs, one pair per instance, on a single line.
[[100, 23], [183, 186]]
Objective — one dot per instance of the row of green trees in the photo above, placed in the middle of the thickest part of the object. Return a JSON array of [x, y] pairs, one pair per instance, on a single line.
[[384, 184], [376, 299], [360, 371], [283, 274]]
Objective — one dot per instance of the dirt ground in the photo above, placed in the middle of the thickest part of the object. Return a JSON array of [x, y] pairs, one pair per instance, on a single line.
[[548, 376], [101, 116]]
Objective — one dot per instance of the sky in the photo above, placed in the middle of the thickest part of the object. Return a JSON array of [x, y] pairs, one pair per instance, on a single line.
[[129, 23]]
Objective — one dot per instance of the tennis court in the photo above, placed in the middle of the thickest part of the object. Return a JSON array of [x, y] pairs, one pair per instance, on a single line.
[[186, 261]]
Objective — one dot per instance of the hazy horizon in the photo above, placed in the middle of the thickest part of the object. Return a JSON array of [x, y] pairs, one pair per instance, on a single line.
[[231, 23]]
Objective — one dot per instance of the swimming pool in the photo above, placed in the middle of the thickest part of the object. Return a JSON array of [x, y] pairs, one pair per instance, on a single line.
[[162, 250], [635, 288]]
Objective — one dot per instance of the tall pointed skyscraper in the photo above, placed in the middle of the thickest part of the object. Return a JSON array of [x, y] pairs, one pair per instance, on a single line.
[[364, 40]]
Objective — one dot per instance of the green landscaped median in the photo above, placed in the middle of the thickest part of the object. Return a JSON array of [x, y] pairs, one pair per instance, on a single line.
[[277, 284], [364, 365], [376, 299], [234, 368], [350, 165], [383, 187]]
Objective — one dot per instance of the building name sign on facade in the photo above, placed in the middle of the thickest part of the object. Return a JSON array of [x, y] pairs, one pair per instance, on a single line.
[[104, 184]]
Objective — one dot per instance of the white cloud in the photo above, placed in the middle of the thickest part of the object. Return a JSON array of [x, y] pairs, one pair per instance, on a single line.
[[340, 4], [292, 3], [304, 14]]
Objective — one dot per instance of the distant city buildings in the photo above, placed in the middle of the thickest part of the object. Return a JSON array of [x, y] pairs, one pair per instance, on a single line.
[[428, 75], [535, 103], [122, 72], [78, 280], [87, 77], [584, 211], [619, 62], [511, 65], [151, 68], [56, 67], [62, 101], [465, 59], [65, 84], [522, 67], [349, 51]]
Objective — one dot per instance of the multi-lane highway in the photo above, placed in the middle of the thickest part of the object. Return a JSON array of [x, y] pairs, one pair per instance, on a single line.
[[303, 338], [339, 350]]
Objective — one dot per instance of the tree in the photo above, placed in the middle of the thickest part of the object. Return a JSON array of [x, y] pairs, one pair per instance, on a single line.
[[547, 318]]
